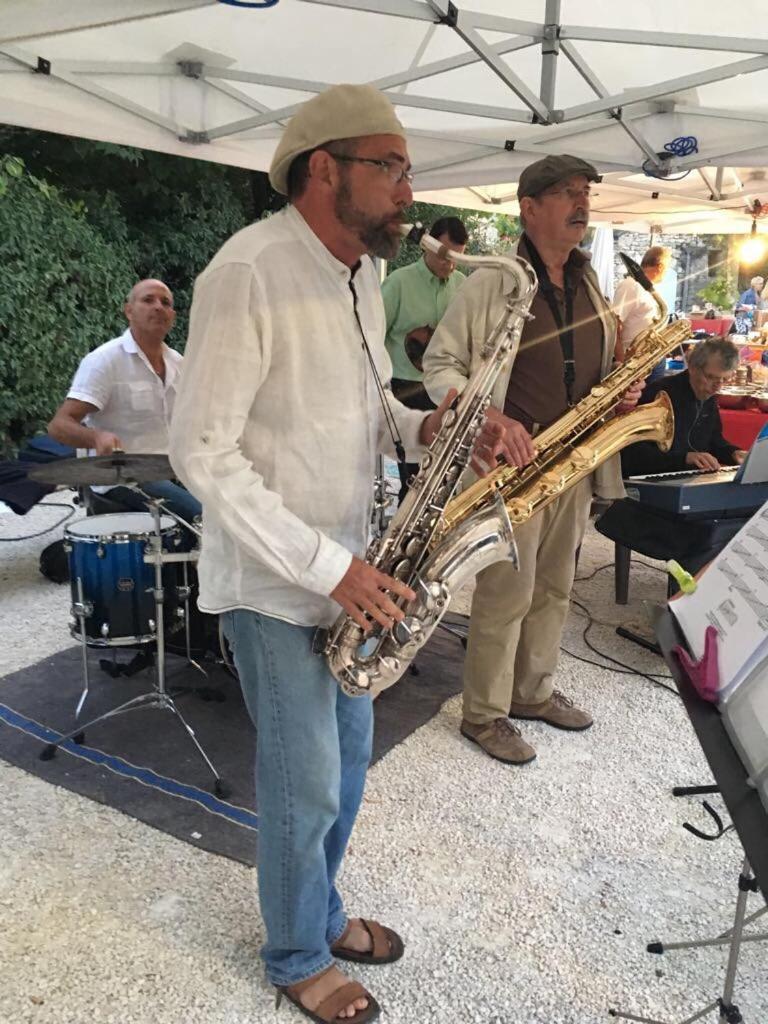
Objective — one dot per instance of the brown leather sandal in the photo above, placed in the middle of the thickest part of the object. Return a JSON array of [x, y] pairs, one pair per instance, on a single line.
[[328, 1011], [386, 945]]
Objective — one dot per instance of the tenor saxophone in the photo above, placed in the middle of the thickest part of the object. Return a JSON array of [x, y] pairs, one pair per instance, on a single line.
[[584, 437], [364, 663]]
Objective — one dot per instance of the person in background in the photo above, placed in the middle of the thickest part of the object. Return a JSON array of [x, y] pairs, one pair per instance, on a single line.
[[415, 298], [750, 297], [698, 442], [123, 394], [635, 306]]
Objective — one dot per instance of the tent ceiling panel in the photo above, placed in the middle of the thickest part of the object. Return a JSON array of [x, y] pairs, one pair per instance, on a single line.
[[470, 91]]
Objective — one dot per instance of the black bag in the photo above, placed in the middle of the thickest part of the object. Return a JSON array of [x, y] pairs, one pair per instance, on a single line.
[[54, 562]]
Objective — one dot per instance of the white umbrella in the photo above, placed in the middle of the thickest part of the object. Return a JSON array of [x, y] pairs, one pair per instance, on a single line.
[[602, 258]]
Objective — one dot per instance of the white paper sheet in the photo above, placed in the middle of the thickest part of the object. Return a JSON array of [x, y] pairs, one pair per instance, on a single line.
[[732, 595]]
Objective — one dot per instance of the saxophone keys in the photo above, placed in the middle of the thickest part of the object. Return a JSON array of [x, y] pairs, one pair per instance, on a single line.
[[584, 456], [552, 483], [402, 569], [412, 546]]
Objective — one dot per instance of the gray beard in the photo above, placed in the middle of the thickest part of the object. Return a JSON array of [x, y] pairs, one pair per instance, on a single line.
[[374, 235]]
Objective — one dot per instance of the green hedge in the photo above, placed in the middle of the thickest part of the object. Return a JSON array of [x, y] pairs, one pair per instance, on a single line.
[[63, 287]]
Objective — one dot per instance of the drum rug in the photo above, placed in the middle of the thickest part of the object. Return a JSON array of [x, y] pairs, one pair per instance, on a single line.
[[144, 764]]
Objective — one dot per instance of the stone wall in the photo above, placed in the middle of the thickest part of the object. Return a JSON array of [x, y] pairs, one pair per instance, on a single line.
[[697, 259]]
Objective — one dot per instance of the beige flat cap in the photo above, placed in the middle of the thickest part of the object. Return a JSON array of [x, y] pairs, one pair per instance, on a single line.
[[341, 112]]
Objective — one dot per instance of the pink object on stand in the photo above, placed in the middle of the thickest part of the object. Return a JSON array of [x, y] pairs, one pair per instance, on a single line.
[[704, 674]]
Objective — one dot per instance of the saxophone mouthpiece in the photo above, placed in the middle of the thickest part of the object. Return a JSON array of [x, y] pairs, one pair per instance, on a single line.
[[636, 271], [413, 232]]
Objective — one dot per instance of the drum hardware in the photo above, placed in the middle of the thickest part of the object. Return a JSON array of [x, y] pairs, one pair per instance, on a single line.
[[158, 697]]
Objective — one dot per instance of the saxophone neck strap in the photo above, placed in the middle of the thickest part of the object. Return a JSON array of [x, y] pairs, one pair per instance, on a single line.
[[564, 327]]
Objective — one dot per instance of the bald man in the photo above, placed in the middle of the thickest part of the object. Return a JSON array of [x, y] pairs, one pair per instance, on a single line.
[[123, 393]]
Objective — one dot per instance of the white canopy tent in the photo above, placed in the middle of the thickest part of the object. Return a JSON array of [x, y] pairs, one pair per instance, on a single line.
[[480, 92]]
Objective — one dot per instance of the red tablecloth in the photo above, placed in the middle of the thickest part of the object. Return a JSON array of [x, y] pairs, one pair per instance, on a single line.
[[720, 325], [741, 426]]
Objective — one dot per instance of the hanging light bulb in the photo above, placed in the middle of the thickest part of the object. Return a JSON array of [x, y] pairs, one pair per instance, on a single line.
[[753, 248]]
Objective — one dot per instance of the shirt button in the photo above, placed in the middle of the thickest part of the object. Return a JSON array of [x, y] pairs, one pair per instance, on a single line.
[[204, 438]]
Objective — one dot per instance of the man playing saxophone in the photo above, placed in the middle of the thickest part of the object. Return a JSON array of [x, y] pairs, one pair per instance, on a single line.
[[517, 616], [280, 413]]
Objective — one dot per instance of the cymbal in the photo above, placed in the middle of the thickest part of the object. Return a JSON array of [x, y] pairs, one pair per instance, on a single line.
[[105, 470]]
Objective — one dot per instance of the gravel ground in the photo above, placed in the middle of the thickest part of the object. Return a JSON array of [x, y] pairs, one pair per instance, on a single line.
[[522, 894]]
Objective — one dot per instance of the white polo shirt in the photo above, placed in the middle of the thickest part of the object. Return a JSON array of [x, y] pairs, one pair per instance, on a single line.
[[636, 308], [131, 400]]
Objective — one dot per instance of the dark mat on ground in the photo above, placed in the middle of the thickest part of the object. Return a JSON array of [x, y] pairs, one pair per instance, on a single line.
[[144, 764]]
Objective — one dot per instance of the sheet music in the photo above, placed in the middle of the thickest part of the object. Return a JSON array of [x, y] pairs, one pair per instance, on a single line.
[[732, 595]]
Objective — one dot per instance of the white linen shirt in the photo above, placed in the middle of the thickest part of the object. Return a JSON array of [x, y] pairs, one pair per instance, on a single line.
[[278, 420], [130, 398], [636, 308]]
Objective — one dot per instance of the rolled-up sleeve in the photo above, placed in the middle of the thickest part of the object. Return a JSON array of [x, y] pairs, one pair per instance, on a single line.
[[226, 361]]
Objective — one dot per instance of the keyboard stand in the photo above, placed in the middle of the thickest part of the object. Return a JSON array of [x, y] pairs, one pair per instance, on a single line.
[[641, 641]]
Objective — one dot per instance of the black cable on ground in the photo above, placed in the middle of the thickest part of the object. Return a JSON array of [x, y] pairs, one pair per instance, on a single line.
[[58, 523], [610, 565], [624, 668]]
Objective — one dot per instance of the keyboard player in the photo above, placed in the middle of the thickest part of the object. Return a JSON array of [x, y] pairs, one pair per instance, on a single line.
[[698, 446], [698, 442]]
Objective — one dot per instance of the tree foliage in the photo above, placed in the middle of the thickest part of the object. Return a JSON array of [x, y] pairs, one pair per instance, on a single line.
[[486, 231]]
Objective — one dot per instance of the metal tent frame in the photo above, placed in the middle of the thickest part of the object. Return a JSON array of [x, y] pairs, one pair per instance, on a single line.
[[483, 144]]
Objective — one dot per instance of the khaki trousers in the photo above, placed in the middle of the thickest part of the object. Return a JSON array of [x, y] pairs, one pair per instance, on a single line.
[[517, 617]]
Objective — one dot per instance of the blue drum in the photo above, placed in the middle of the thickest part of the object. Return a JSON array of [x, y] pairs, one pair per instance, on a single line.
[[109, 576]]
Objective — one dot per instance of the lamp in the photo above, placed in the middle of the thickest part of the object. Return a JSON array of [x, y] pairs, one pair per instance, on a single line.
[[753, 249]]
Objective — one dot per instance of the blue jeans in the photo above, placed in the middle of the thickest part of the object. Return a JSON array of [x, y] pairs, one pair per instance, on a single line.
[[312, 753]]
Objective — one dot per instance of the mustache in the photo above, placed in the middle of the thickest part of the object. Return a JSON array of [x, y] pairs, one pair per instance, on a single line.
[[579, 216]]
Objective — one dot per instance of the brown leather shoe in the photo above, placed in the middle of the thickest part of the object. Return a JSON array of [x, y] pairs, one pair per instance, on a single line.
[[499, 739], [559, 711]]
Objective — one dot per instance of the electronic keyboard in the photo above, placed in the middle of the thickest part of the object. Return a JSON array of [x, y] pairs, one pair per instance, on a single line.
[[696, 492]]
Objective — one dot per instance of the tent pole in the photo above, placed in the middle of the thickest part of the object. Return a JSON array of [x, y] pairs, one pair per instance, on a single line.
[[550, 49]]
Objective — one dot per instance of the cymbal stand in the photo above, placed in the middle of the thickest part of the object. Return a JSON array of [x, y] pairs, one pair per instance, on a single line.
[[81, 610], [158, 697], [184, 591]]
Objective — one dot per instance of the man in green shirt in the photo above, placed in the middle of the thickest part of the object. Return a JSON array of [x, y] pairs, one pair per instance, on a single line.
[[415, 298]]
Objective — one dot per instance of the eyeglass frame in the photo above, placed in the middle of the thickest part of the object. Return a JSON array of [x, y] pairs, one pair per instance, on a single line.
[[395, 173], [572, 193], [715, 381]]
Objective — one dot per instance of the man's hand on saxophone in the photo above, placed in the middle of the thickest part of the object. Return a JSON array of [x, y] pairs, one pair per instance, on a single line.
[[631, 397], [364, 594], [501, 438], [431, 424]]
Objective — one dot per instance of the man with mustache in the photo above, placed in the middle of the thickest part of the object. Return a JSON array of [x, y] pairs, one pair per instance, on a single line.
[[123, 393], [282, 410], [518, 616]]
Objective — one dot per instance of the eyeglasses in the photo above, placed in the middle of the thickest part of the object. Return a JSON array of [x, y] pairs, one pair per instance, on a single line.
[[572, 193], [393, 170], [715, 379]]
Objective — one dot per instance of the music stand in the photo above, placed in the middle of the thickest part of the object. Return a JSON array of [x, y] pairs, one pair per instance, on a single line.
[[729, 1012]]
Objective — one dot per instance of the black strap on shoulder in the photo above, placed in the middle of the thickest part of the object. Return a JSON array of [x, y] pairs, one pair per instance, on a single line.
[[389, 418], [564, 329]]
